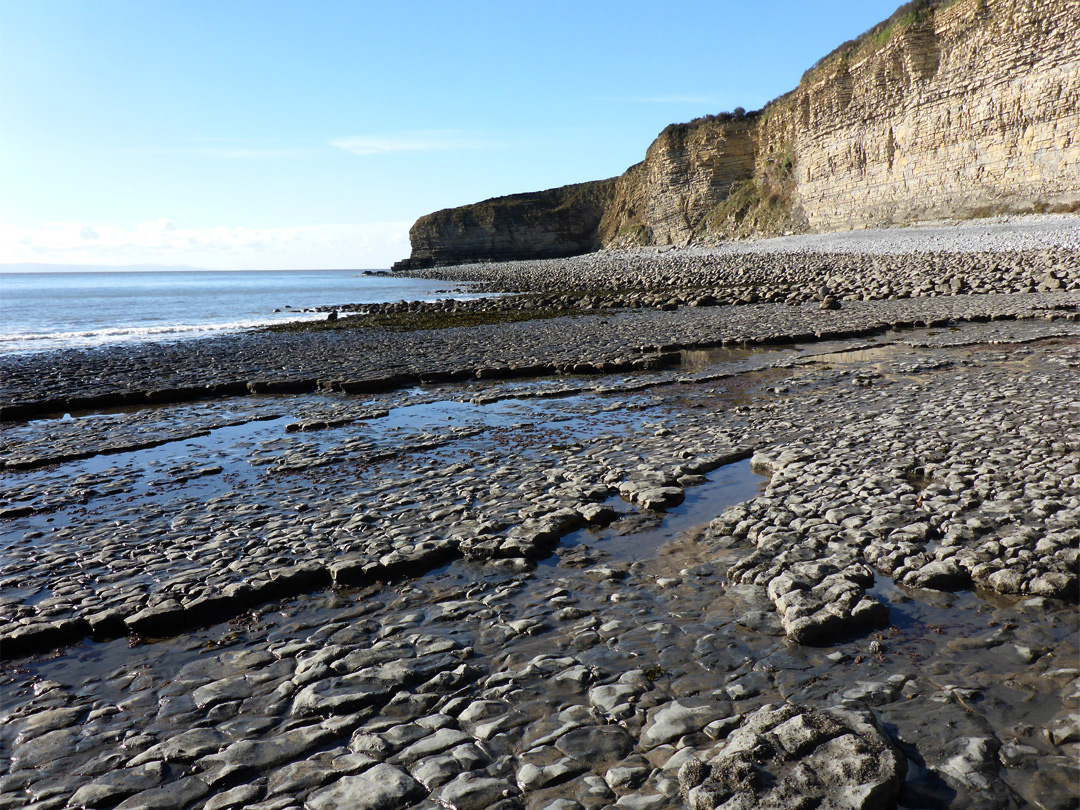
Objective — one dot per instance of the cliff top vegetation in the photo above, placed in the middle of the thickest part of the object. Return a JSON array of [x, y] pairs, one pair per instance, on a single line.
[[684, 129], [879, 35], [591, 192]]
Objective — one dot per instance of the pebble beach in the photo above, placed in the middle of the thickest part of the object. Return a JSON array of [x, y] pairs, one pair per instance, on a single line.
[[785, 524]]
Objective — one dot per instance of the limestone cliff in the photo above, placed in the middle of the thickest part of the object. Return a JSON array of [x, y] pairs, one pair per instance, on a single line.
[[686, 171], [957, 110], [539, 225], [948, 109]]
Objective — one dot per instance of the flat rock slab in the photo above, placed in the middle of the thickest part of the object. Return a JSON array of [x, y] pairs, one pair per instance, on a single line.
[[383, 787], [786, 757]]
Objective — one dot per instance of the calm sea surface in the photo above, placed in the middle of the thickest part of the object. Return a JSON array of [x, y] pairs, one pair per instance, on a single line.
[[57, 310]]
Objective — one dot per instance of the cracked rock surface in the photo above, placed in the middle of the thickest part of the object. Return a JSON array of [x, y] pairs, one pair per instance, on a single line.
[[834, 573]]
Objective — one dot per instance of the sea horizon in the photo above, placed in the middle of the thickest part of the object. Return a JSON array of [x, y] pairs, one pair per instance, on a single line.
[[29, 268]]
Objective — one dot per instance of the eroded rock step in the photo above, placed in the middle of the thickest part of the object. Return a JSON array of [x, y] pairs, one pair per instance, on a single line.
[[200, 507], [374, 361]]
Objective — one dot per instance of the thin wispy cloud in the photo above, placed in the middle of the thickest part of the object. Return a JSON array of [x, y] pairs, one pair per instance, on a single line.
[[416, 141]]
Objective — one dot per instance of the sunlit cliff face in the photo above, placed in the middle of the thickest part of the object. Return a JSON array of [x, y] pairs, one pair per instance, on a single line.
[[956, 112]]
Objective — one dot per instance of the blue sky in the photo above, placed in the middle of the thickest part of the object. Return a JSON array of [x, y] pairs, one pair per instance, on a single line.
[[274, 135]]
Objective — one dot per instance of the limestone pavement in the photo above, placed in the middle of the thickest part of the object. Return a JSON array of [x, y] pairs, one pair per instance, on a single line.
[[840, 572]]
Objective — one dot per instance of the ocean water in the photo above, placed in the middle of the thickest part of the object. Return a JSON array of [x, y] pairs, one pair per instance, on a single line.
[[59, 310]]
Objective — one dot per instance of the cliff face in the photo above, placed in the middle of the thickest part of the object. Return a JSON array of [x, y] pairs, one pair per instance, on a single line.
[[971, 108], [686, 171], [946, 110], [539, 225]]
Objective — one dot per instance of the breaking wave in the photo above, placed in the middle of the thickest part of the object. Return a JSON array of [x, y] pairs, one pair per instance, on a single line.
[[30, 342]]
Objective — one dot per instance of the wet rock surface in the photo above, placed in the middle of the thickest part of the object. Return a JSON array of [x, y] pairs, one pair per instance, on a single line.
[[831, 573]]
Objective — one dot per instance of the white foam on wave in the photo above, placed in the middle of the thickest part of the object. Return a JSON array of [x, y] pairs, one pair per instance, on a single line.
[[31, 342]]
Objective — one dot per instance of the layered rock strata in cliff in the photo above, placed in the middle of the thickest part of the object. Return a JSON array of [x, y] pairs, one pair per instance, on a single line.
[[969, 109], [945, 110], [539, 225], [686, 171]]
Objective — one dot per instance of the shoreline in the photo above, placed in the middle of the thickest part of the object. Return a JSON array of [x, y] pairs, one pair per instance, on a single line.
[[42, 312], [630, 340], [613, 290], [575, 562]]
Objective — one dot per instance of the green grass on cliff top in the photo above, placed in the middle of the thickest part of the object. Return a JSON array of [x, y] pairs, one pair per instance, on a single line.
[[879, 35], [592, 192]]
